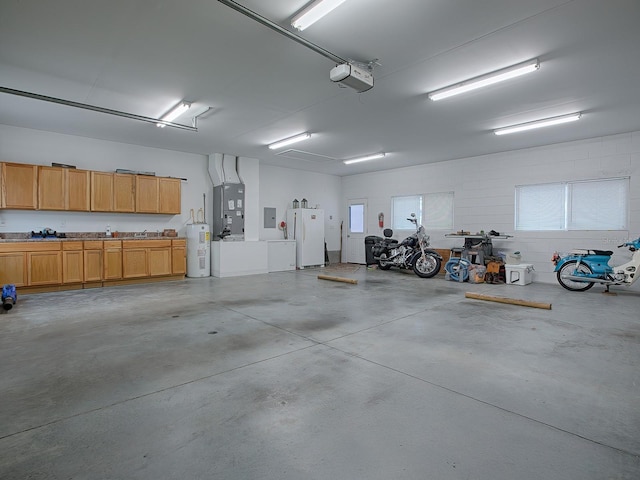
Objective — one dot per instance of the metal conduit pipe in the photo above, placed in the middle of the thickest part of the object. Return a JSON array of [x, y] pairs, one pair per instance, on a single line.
[[95, 108]]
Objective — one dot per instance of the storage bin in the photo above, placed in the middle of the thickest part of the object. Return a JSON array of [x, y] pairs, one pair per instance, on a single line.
[[510, 258], [521, 274]]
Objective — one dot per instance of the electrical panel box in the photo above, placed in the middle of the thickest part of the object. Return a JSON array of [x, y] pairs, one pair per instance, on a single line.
[[228, 212]]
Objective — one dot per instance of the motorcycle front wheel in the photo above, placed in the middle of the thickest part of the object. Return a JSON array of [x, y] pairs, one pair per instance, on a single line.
[[382, 262], [426, 266], [568, 269]]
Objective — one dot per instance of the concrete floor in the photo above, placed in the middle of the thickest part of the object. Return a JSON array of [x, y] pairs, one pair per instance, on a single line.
[[284, 376]]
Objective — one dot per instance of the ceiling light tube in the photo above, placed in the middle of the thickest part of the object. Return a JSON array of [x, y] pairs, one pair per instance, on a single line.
[[485, 80], [546, 122], [365, 158], [290, 140], [174, 113], [314, 12]]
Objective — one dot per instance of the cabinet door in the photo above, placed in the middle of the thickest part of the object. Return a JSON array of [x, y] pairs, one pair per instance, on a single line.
[[169, 195], [179, 260], [19, 186], [51, 191], [134, 263], [77, 191], [124, 187], [112, 260], [13, 269], [147, 194], [92, 265], [72, 266], [101, 192], [44, 268], [112, 264], [160, 262]]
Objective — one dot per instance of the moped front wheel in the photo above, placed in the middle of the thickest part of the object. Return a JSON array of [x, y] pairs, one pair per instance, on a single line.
[[570, 268]]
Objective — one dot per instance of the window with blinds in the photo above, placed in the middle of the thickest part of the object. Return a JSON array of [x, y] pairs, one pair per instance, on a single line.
[[581, 205], [402, 208], [433, 210]]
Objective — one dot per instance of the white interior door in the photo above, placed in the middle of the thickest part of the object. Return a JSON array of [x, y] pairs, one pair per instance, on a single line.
[[356, 231]]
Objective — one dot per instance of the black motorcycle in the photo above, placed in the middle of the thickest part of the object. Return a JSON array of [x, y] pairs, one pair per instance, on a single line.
[[411, 253]]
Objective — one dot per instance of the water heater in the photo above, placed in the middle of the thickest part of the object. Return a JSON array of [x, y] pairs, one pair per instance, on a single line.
[[198, 250]]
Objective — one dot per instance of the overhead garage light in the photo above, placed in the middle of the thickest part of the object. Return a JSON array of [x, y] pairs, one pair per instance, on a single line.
[[546, 122], [290, 140], [314, 12], [365, 158], [174, 113], [485, 80]]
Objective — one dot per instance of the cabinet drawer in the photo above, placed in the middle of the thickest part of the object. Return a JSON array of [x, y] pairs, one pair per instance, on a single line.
[[179, 242], [108, 244], [71, 245], [93, 245], [145, 243]]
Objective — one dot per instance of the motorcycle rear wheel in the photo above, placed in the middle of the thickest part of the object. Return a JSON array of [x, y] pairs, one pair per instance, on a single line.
[[382, 262], [568, 269], [426, 266]]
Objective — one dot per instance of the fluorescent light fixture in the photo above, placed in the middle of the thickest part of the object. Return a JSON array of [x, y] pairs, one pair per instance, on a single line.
[[365, 158], [290, 140], [314, 12], [485, 80], [546, 122], [174, 113]]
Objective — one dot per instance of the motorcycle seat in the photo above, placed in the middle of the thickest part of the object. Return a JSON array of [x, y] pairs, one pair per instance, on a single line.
[[583, 251]]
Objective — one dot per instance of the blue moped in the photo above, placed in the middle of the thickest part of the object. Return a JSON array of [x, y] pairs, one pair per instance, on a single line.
[[581, 269]]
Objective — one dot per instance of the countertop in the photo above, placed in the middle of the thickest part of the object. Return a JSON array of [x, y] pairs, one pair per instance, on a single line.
[[81, 236]]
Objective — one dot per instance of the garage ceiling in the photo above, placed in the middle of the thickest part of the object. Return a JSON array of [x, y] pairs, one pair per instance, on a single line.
[[143, 56]]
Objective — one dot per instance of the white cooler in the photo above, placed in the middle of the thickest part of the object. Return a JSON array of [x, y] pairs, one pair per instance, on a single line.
[[519, 274]]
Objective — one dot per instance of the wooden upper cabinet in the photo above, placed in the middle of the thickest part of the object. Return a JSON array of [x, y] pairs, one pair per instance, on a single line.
[[169, 192], [147, 194], [51, 190], [63, 189], [101, 192], [42, 187], [77, 190], [124, 188], [19, 186]]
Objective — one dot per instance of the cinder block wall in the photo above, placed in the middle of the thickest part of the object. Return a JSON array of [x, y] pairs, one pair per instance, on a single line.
[[484, 189]]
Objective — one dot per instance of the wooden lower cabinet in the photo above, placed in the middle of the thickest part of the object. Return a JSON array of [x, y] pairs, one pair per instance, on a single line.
[[93, 266], [72, 262], [134, 263], [179, 256], [159, 261], [146, 258], [54, 265], [13, 268], [44, 268], [112, 256]]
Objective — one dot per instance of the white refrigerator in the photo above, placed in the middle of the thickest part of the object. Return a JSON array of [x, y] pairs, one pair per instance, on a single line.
[[306, 227]]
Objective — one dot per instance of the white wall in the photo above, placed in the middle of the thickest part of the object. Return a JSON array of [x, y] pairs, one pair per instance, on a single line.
[[279, 186], [266, 186], [37, 147], [484, 194]]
